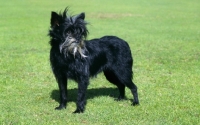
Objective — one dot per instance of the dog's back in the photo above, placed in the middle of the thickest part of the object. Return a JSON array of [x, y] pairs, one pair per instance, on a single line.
[[109, 51]]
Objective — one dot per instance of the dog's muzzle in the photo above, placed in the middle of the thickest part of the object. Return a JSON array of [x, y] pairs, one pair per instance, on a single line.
[[69, 43]]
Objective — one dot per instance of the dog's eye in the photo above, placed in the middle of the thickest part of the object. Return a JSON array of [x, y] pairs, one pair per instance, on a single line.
[[68, 33]]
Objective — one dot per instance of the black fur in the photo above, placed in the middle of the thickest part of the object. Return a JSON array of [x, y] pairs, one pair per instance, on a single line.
[[73, 57]]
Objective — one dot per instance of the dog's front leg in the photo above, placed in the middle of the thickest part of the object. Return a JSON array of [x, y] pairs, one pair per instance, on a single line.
[[62, 83], [81, 99]]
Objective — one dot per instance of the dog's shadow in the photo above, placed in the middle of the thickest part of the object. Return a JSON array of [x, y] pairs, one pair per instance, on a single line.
[[91, 93]]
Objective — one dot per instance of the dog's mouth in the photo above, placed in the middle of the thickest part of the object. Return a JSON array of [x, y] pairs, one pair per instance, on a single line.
[[68, 44], [72, 45]]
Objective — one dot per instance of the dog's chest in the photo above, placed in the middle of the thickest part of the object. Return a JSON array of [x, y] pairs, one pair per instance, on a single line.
[[76, 68], [73, 67]]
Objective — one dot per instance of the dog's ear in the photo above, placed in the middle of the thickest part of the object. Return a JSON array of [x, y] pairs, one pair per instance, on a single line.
[[77, 17], [81, 16], [55, 19]]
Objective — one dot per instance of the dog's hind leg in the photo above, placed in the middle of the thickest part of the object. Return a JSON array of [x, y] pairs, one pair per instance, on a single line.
[[111, 77], [125, 79], [133, 89]]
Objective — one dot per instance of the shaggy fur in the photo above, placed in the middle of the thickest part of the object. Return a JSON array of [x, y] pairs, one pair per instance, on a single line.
[[73, 57]]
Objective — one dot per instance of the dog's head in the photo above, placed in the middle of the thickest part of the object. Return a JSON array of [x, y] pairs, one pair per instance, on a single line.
[[69, 32]]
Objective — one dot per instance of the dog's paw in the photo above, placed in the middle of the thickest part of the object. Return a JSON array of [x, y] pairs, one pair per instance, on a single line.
[[135, 103], [120, 98], [78, 111], [60, 107]]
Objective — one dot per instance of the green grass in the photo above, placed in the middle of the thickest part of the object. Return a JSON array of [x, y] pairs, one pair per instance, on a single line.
[[164, 37]]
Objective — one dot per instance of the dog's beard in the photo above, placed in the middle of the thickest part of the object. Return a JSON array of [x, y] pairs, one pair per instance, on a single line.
[[71, 45]]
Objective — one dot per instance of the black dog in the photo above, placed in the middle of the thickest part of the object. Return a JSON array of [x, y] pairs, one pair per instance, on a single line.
[[73, 57]]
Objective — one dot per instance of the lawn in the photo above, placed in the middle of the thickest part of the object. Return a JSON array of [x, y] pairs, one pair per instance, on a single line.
[[164, 37]]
